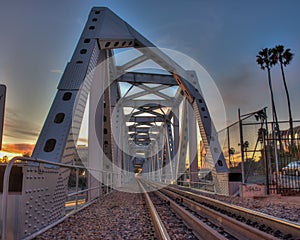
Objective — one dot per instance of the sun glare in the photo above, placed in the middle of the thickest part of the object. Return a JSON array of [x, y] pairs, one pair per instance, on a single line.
[[8, 155]]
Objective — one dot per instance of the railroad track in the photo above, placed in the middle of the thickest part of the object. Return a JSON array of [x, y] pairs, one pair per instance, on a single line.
[[190, 223], [159, 227], [211, 219]]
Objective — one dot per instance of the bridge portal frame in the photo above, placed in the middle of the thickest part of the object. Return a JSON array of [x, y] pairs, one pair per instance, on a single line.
[[91, 71]]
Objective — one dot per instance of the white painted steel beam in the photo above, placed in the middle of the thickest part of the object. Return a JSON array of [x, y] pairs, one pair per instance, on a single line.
[[140, 78], [146, 91], [193, 146], [146, 119], [150, 103]]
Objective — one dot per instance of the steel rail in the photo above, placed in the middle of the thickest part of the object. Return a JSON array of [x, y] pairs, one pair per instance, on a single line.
[[199, 228], [159, 227], [232, 226], [282, 225]]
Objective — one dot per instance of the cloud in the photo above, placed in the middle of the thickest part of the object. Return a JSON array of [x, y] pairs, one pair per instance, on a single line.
[[22, 148], [240, 90], [16, 126]]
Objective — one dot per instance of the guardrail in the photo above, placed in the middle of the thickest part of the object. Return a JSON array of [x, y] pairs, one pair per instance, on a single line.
[[202, 180], [25, 161]]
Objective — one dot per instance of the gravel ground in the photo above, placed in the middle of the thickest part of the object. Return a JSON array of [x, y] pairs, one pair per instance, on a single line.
[[119, 215], [123, 215], [285, 207]]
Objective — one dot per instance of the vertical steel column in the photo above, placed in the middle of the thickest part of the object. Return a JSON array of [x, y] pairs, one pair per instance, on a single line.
[[171, 147], [149, 169], [152, 167], [169, 151], [131, 164], [126, 157], [116, 139], [146, 169], [155, 153], [167, 167], [183, 141], [119, 157], [193, 151], [96, 125], [159, 165], [163, 161], [176, 140]]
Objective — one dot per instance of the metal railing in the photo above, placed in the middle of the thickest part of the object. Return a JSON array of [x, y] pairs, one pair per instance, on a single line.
[[200, 180], [26, 160]]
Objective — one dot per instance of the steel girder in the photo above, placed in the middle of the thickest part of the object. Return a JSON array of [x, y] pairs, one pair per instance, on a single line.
[[92, 70], [141, 78], [110, 32]]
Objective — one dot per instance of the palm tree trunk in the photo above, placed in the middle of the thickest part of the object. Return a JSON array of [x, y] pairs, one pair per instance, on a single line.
[[274, 112], [289, 104]]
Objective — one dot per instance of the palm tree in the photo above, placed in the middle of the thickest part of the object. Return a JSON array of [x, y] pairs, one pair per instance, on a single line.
[[264, 60], [284, 57]]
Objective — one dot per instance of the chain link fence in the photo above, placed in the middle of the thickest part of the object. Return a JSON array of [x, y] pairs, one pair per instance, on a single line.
[[256, 153]]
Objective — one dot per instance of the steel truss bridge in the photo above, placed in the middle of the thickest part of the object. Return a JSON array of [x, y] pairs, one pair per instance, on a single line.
[[137, 122]]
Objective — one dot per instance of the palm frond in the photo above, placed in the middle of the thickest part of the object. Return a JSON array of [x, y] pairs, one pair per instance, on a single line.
[[260, 61], [287, 56], [279, 49], [273, 57]]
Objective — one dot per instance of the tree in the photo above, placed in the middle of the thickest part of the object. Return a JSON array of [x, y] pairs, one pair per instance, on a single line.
[[231, 152], [284, 57], [265, 61], [246, 146], [26, 154], [5, 159]]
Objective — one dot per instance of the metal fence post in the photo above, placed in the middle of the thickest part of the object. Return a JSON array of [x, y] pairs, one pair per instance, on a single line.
[[242, 146], [77, 181], [5, 195]]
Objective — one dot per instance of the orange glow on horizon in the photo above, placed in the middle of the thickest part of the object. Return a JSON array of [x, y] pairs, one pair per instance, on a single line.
[[16, 149]]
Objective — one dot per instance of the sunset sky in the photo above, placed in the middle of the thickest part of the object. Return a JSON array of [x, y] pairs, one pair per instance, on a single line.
[[37, 39]]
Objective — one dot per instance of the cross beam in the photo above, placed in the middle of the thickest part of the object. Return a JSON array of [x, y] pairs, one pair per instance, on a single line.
[[140, 78]]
